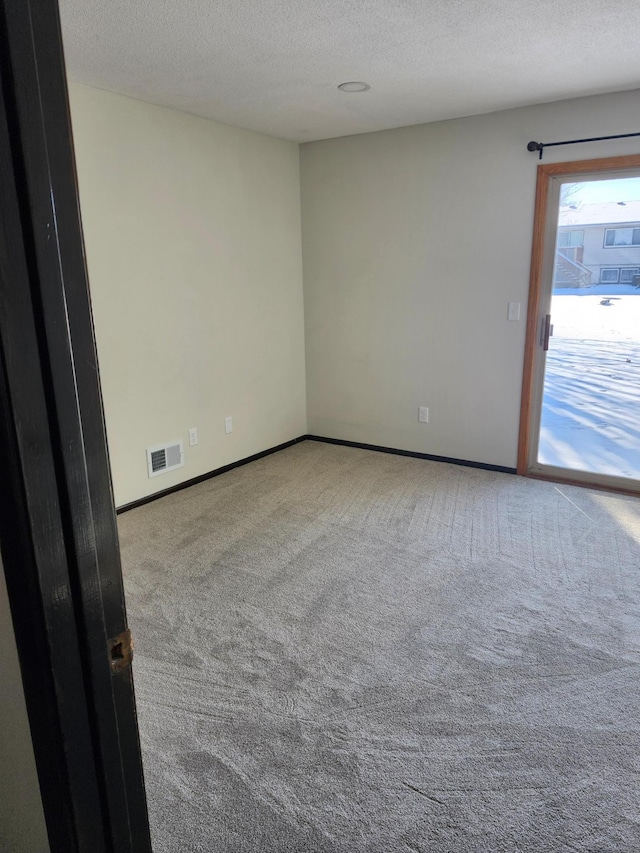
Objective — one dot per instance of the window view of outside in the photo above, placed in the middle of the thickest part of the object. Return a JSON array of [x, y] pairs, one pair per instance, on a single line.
[[591, 405]]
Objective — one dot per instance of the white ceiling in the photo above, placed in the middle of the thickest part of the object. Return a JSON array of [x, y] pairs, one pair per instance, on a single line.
[[274, 65]]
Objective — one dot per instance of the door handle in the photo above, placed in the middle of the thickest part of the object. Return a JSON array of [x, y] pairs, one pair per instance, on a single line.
[[547, 332]]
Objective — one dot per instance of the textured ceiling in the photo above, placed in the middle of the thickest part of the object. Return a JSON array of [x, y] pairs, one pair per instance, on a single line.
[[274, 65]]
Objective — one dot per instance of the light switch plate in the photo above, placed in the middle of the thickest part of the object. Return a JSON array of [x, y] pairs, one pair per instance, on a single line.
[[513, 312]]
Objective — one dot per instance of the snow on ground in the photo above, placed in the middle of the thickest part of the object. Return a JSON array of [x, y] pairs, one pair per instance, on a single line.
[[591, 407]]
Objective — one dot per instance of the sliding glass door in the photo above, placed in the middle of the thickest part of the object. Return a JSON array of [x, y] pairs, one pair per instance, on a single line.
[[583, 357]]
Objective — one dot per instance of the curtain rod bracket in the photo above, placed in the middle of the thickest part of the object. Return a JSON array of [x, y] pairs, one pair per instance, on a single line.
[[536, 146]]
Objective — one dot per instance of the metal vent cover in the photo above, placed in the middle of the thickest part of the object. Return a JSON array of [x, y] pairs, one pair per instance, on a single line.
[[165, 457]]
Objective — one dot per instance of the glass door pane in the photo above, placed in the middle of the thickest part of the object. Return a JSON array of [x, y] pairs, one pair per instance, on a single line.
[[590, 417]]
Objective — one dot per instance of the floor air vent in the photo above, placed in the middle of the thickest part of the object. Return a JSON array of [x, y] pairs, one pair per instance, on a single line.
[[164, 457]]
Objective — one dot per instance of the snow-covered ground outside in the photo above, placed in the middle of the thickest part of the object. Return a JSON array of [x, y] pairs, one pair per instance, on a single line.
[[591, 407]]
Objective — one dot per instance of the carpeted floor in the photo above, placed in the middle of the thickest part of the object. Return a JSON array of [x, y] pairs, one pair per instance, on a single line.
[[346, 651]]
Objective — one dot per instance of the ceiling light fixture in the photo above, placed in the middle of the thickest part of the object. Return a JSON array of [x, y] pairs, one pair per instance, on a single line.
[[354, 86]]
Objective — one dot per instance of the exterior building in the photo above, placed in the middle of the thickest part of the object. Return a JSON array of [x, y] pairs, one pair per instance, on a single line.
[[598, 244]]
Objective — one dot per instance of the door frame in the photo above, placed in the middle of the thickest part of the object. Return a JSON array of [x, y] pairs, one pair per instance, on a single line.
[[58, 533], [533, 353]]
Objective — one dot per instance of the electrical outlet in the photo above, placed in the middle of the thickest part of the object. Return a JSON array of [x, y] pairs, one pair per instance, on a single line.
[[423, 415], [193, 436], [228, 425], [513, 312]]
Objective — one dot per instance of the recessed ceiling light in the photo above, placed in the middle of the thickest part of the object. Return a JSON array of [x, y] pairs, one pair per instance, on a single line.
[[354, 86]]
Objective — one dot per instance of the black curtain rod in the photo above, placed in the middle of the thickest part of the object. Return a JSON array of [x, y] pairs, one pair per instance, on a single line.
[[540, 146]]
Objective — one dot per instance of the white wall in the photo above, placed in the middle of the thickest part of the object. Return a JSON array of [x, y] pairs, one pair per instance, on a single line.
[[192, 234], [414, 241], [22, 827]]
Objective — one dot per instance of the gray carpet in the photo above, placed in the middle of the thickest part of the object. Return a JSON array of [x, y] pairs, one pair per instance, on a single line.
[[340, 650]]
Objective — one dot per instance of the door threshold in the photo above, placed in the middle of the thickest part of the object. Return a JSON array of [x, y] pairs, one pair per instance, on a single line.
[[599, 485]]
